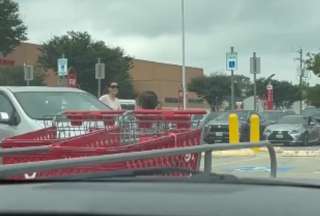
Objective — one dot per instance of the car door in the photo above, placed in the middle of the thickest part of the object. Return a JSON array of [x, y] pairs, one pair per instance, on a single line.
[[7, 129]]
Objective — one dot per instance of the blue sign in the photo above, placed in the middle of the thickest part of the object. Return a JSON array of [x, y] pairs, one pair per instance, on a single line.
[[232, 61], [232, 64], [62, 66]]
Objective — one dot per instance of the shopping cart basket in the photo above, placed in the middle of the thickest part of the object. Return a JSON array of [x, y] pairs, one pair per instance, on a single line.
[[69, 124], [101, 142]]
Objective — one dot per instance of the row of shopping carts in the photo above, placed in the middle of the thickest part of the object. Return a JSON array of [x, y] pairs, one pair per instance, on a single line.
[[76, 134]]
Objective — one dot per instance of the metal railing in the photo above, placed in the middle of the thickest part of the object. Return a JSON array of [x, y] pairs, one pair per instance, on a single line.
[[16, 169]]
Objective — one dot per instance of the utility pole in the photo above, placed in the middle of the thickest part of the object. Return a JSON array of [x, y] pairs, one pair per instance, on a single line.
[[232, 84], [301, 75], [254, 85], [232, 65]]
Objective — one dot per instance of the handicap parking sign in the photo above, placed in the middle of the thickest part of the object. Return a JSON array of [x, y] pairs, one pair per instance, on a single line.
[[62, 66], [232, 61]]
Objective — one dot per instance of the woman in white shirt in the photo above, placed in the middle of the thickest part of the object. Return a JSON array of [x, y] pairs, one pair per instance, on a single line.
[[111, 99]]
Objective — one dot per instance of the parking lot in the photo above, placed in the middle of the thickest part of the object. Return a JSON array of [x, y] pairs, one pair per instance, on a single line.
[[293, 162]]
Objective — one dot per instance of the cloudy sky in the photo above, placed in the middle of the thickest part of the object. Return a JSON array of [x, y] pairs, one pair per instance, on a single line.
[[151, 29]]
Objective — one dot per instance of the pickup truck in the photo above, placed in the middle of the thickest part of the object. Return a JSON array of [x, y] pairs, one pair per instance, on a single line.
[[25, 109]]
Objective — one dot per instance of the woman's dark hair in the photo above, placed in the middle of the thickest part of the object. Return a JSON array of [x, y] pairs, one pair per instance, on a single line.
[[148, 100]]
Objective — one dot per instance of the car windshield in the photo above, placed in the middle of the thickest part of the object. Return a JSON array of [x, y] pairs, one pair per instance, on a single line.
[[222, 57], [273, 116], [43, 105], [292, 120], [243, 116], [311, 112]]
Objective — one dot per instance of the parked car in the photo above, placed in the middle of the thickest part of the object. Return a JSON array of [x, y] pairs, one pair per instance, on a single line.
[[211, 116], [273, 116], [294, 130], [217, 130], [310, 111], [198, 120], [24, 109]]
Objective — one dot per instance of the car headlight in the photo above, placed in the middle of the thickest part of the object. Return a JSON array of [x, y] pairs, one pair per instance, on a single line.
[[207, 129], [267, 132], [295, 132]]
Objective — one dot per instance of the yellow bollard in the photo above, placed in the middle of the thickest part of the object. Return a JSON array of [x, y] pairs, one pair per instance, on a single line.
[[233, 128], [255, 130]]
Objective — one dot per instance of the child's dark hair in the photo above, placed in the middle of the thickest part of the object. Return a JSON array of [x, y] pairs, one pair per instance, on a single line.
[[148, 100]]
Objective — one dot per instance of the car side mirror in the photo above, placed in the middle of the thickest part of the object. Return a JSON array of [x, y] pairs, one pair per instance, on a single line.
[[4, 118]]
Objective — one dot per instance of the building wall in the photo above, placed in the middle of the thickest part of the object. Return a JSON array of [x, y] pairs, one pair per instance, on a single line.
[[164, 79], [25, 53]]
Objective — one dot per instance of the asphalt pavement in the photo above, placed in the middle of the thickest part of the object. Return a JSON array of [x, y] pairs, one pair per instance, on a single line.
[[293, 162]]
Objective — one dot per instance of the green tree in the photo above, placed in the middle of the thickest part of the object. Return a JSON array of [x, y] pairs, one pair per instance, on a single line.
[[12, 29], [14, 76], [284, 93], [82, 53], [313, 63], [216, 88], [313, 95]]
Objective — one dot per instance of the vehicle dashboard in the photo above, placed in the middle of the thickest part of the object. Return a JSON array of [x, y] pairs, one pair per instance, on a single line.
[[158, 198]]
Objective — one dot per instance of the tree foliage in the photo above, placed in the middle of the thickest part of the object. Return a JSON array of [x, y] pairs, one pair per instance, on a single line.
[[82, 53], [12, 29], [313, 63], [216, 88], [14, 76], [313, 95], [284, 92]]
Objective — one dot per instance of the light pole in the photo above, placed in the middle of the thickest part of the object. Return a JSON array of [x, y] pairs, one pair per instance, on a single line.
[[231, 65], [184, 89], [301, 75]]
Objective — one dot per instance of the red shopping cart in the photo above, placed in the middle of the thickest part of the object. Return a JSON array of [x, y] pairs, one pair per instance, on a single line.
[[70, 124], [162, 132]]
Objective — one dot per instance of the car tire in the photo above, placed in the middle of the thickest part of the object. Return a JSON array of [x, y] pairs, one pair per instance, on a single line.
[[306, 139]]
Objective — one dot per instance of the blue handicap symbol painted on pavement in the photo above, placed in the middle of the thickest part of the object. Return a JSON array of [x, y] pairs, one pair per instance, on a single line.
[[259, 169]]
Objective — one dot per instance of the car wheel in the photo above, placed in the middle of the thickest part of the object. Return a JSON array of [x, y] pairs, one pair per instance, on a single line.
[[306, 139]]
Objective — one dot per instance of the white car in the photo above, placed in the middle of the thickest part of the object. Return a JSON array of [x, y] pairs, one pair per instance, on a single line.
[[127, 104], [25, 109]]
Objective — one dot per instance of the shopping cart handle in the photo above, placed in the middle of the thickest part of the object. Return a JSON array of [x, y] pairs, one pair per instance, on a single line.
[[172, 112]]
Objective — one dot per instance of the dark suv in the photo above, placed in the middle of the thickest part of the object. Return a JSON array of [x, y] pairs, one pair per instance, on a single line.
[[217, 130]]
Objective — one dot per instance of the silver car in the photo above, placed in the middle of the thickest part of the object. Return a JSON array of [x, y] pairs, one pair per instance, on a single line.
[[294, 130], [25, 109]]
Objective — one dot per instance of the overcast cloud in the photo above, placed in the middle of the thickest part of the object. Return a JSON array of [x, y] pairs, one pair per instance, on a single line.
[[151, 29]]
